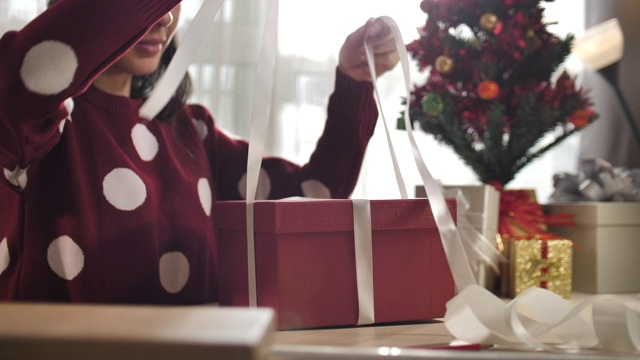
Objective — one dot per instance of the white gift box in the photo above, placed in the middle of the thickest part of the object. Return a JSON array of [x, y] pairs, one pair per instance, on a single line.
[[482, 213], [606, 258], [74, 332]]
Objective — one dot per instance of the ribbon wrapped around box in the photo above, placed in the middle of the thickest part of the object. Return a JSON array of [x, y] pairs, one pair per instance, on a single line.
[[331, 262], [314, 256], [538, 261]]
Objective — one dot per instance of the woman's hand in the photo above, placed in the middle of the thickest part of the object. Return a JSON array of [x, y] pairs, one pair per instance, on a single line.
[[353, 61]]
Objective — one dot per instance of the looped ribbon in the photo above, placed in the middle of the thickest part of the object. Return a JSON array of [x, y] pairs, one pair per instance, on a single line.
[[597, 180], [476, 315], [449, 235], [452, 244], [478, 248], [542, 320]]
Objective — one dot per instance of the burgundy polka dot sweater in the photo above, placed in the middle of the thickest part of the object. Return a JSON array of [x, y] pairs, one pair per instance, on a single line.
[[99, 205]]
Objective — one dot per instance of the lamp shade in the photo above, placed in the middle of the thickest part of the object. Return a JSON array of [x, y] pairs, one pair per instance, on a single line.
[[600, 45]]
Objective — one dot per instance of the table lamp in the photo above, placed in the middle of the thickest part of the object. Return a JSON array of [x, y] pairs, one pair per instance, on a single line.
[[600, 49]]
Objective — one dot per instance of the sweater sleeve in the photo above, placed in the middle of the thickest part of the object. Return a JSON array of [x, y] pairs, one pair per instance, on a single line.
[[56, 57], [337, 160], [332, 170]]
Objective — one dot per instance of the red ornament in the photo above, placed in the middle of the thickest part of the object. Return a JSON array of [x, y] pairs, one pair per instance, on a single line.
[[580, 118], [488, 90], [424, 6]]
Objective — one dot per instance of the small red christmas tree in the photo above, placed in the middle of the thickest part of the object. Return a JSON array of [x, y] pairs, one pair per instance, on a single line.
[[490, 94]]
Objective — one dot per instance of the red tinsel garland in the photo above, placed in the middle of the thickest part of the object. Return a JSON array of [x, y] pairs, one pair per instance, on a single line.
[[521, 215]]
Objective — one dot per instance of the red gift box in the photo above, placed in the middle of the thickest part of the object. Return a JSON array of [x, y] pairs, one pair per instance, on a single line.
[[305, 261]]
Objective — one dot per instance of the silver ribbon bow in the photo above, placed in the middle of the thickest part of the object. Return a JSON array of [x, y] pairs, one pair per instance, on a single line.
[[597, 180]]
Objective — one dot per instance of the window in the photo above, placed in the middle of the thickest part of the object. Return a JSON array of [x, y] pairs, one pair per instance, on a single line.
[[310, 36]]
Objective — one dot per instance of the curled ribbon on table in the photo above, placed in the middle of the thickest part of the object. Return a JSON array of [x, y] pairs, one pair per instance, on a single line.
[[541, 319], [478, 248], [597, 180]]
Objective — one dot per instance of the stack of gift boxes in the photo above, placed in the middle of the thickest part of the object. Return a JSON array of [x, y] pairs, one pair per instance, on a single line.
[[586, 239], [513, 222], [536, 257], [306, 252]]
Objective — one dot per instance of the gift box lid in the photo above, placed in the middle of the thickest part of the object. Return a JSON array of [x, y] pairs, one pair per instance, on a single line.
[[311, 215], [599, 213], [75, 331]]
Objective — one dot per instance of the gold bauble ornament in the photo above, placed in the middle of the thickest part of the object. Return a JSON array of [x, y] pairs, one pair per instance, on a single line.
[[488, 21], [533, 41], [531, 34], [444, 64]]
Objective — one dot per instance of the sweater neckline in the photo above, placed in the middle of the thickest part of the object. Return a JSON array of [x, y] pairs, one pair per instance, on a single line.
[[110, 102]]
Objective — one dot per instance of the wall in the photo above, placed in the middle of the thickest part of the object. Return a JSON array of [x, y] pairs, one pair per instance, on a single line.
[[609, 138]]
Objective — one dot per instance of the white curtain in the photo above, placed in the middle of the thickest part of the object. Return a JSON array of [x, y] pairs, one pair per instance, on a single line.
[[15, 13], [310, 36]]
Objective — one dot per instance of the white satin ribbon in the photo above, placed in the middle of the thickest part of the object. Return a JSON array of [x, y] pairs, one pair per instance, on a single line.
[[178, 66], [541, 319], [454, 250], [364, 260], [479, 249], [261, 103], [257, 139], [537, 318], [477, 246], [260, 118]]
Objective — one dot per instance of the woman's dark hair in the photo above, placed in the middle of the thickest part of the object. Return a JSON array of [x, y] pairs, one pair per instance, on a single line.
[[141, 86]]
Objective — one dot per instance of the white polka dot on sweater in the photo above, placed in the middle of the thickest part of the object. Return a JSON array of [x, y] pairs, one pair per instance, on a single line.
[[69, 105], [17, 177], [264, 186], [124, 189], [65, 258], [5, 259], [48, 68], [315, 189], [61, 126], [204, 193], [174, 271], [145, 142]]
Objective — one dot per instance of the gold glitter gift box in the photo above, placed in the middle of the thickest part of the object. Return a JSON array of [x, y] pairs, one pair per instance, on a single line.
[[543, 261]]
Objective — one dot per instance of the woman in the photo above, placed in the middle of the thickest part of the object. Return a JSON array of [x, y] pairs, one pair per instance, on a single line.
[[99, 205]]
